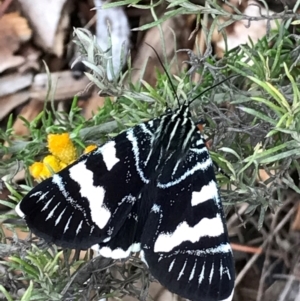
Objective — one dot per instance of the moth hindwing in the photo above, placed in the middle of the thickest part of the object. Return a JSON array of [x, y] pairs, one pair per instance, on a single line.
[[151, 189]]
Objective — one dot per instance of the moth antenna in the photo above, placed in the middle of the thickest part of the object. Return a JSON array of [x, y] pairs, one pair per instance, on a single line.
[[210, 88], [168, 76]]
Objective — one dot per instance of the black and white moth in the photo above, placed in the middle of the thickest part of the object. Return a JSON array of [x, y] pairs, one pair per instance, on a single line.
[[152, 189]]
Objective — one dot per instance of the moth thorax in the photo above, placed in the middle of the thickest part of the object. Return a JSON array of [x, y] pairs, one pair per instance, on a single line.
[[179, 136]]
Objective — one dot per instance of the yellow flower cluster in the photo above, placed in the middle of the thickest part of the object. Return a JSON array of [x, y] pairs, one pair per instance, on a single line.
[[63, 153]]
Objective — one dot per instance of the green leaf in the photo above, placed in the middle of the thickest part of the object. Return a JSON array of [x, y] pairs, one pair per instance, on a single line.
[[28, 292], [231, 151], [5, 293], [296, 93], [269, 88], [281, 156], [119, 3], [7, 204], [258, 114], [166, 16], [261, 218], [10, 122], [23, 265]]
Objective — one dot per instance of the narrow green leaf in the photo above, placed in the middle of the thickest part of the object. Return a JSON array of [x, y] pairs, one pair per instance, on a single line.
[[53, 263], [279, 97], [28, 292], [277, 60], [278, 110], [8, 204], [272, 91], [10, 122], [296, 93], [261, 217], [258, 114], [165, 17], [5, 293], [23, 265], [99, 70], [281, 156], [119, 3], [264, 153], [290, 183]]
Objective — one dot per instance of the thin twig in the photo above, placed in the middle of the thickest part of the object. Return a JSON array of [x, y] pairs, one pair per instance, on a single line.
[[244, 271]]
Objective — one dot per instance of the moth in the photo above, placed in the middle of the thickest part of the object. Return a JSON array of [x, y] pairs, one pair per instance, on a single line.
[[152, 189]]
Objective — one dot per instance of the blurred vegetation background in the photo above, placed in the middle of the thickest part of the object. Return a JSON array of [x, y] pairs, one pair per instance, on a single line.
[[116, 81]]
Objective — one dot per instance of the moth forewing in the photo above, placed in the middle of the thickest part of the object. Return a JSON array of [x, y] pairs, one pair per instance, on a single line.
[[185, 241]]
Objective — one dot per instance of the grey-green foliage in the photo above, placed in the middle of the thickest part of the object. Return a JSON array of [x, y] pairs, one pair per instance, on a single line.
[[252, 121]]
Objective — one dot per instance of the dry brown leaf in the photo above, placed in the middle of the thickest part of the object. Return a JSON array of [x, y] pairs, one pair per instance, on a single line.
[[92, 105], [13, 31], [49, 19], [20, 81], [10, 234], [29, 112], [296, 222], [10, 102], [176, 25], [65, 86], [31, 56], [239, 32]]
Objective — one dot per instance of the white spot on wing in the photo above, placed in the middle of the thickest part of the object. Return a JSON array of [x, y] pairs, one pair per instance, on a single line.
[[182, 271], [67, 225], [155, 208], [118, 252], [60, 216], [223, 248], [19, 211], [228, 273], [94, 194], [108, 152], [47, 204], [201, 276], [102, 216], [52, 211], [171, 265], [36, 194], [213, 227], [136, 247], [211, 274], [193, 271], [42, 197], [221, 269], [79, 228], [56, 179], [206, 193], [143, 259]]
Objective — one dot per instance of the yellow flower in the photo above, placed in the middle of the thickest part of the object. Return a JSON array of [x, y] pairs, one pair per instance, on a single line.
[[89, 148], [35, 169], [52, 163], [39, 171], [45, 173], [62, 165], [62, 147]]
